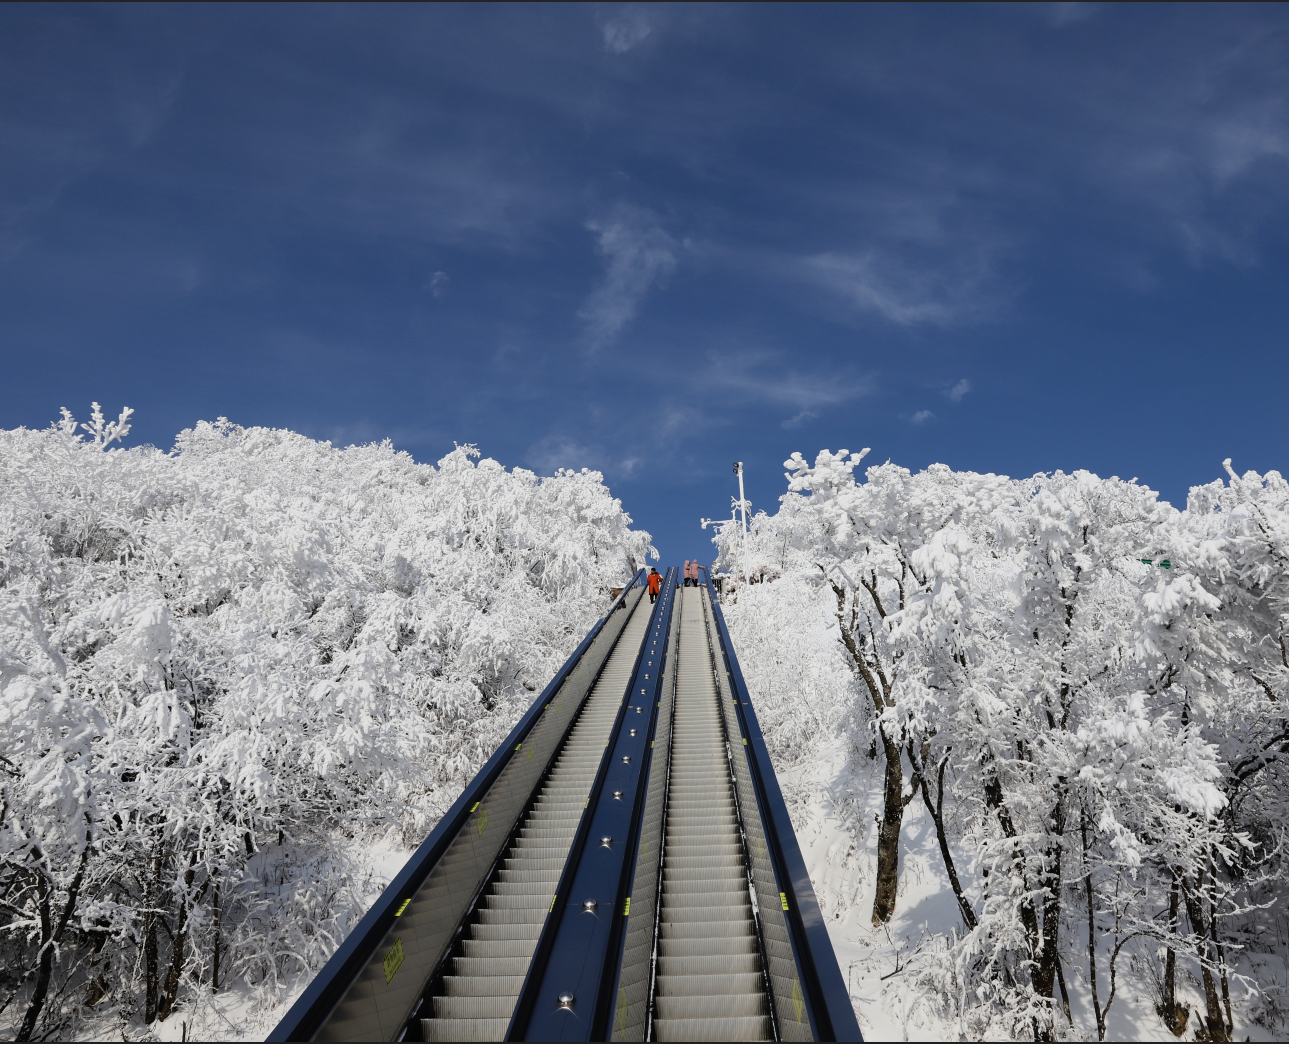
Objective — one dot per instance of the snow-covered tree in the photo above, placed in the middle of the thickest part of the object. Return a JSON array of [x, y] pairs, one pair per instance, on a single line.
[[252, 642], [1084, 684]]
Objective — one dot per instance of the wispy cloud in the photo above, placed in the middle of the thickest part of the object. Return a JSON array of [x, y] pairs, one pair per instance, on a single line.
[[626, 29], [768, 377], [957, 287], [549, 454], [1060, 15], [799, 419], [560, 451], [438, 283], [921, 416], [637, 254], [960, 389]]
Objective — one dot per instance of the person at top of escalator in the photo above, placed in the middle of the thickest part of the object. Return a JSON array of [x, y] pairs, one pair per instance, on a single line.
[[685, 574], [655, 585], [691, 572]]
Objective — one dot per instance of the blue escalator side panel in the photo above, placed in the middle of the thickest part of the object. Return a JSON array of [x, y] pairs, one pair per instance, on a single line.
[[576, 954], [827, 998], [329, 985]]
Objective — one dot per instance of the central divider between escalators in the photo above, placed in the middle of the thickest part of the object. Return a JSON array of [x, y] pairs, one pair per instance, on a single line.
[[567, 994]]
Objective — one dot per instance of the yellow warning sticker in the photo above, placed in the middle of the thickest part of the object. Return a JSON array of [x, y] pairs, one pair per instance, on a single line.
[[552, 905], [783, 898], [393, 961], [798, 1001], [626, 907], [402, 906], [474, 806], [745, 741], [622, 1008], [483, 822]]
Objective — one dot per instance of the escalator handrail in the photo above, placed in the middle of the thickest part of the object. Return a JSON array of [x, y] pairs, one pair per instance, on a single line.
[[826, 994], [328, 987]]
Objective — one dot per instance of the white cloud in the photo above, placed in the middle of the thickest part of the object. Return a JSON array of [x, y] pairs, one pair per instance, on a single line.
[[922, 415], [910, 294], [960, 389], [629, 28], [800, 419], [438, 283], [560, 451], [764, 376], [1063, 14], [637, 254]]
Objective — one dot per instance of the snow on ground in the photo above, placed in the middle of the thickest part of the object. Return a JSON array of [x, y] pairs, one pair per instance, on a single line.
[[238, 1012], [838, 807]]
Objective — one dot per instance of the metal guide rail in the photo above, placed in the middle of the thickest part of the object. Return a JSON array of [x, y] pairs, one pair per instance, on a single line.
[[623, 868]]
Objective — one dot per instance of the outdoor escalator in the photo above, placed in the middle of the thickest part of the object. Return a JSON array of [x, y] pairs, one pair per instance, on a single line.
[[623, 868]]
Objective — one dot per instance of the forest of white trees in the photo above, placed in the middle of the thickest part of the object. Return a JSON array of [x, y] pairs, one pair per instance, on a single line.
[[1082, 686], [226, 667], [252, 642]]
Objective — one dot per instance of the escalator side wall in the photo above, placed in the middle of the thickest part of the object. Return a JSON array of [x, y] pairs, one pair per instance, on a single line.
[[378, 1004], [631, 1007], [792, 1019]]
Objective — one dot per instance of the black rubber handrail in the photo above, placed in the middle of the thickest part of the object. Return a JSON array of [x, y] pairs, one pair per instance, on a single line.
[[826, 996]]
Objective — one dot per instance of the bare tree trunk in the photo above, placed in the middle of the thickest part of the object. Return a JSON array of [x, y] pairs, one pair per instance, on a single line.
[[1092, 928], [51, 933], [936, 808], [893, 800], [46, 962], [1044, 977], [994, 799], [1175, 1016], [888, 836], [214, 976], [1065, 994], [178, 954], [1221, 960], [150, 918], [1195, 911]]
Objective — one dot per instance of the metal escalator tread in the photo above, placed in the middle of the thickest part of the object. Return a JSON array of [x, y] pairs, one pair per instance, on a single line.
[[710, 984], [483, 983]]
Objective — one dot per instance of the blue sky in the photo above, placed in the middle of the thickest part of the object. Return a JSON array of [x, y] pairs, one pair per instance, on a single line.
[[653, 239]]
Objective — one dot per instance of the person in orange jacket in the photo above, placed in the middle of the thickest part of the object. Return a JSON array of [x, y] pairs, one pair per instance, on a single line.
[[655, 585]]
